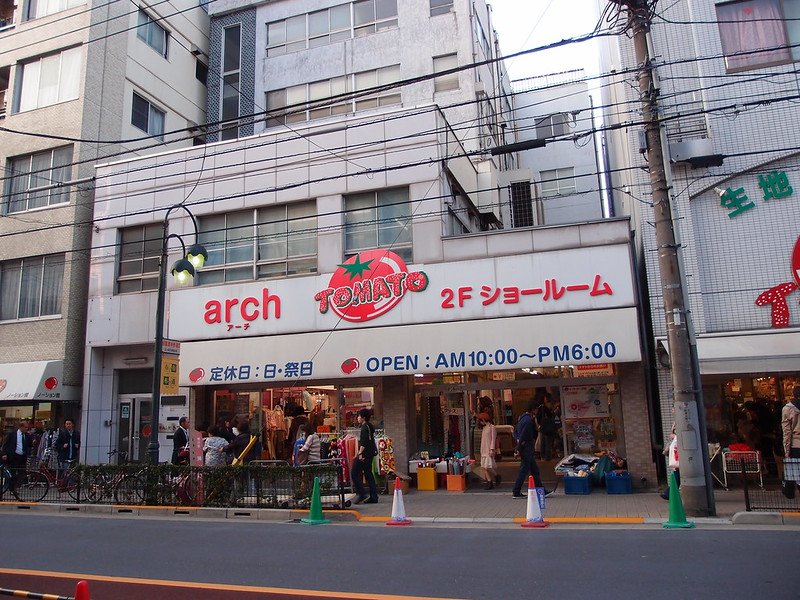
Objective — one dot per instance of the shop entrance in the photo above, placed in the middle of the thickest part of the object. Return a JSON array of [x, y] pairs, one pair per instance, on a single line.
[[134, 431], [443, 422]]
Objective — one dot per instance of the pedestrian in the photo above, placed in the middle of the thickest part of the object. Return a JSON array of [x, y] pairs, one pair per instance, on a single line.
[[212, 448], [313, 443], [15, 451], [790, 425], [673, 462], [237, 447], [67, 445], [525, 435], [546, 424], [180, 443], [362, 464], [488, 450]]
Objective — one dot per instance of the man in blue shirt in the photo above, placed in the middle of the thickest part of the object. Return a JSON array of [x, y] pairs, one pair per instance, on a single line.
[[525, 435]]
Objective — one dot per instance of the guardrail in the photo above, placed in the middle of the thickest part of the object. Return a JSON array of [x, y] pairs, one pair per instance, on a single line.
[[250, 486], [781, 496]]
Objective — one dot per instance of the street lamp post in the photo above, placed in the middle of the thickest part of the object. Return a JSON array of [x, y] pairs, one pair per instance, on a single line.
[[183, 270]]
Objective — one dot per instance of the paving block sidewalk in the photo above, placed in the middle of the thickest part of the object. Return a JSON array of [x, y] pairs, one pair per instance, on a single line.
[[498, 504]]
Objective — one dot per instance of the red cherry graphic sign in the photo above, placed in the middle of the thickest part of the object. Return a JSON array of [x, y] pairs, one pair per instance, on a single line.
[[51, 383], [196, 375], [369, 285], [796, 261], [350, 365], [3, 384]]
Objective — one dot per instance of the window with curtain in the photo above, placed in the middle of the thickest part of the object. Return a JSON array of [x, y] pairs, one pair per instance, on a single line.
[[49, 80], [152, 33], [147, 117], [139, 253], [445, 63], [557, 182], [758, 33], [31, 287], [380, 219], [31, 171], [42, 8], [231, 65]]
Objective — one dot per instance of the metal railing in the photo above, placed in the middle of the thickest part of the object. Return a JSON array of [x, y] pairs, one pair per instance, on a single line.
[[250, 486], [781, 496]]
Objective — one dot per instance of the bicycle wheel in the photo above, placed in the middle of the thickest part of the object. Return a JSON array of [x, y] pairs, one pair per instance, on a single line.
[[72, 485], [97, 487], [188, 488], [5, 480], [130, 490], [32, 486]]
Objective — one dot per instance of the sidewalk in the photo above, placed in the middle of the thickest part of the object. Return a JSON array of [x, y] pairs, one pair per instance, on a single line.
[[498, 506]]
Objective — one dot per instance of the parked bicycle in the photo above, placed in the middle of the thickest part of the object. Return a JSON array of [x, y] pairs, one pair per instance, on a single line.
[[63, 480], [122, 485], [30, 486]]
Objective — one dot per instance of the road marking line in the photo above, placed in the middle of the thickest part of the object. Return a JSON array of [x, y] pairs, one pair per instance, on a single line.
[[215, 586]]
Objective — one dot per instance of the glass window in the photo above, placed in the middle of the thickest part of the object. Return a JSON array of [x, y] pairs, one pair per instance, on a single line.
[[139, 253], [50, 79], [370, 79], [287, 240], [440, 7], [31, 171], [147, 117], [756, 33], [231, 62], [379, 219], [558, 182], [552, 125], [152, 33], [42, 8], [370, 16], [31, 287], [276, 103], [229, 241], [445, 63]]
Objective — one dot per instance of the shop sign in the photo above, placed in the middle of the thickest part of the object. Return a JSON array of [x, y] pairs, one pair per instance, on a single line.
[[585, 402], [481, 345], [599, 370], [169, 375], [377, 289], [170, 347], [774, 186], [776, 296]]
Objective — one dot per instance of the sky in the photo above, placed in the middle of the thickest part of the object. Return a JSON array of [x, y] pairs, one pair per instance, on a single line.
[[523, 24]]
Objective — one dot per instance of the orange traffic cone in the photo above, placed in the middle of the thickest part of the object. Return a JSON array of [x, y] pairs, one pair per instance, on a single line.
[[398, 509], [82, 590], [534, 517]]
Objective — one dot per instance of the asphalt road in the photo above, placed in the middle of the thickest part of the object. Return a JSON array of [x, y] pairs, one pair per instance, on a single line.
[[455, 562]]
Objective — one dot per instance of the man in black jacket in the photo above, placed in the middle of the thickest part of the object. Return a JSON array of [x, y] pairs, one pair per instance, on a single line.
[[16, 448], [67, 444], [525, 435], [180, 442]]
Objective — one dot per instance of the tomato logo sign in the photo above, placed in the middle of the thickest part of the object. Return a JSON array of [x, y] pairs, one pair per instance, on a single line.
[[369, 285], [196, 375], [350, 365], [3, 384], [51, 383], [776, 295]]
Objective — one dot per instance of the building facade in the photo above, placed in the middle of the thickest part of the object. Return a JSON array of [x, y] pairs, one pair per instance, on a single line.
[[79, 81], [356, 256], [725, 75]]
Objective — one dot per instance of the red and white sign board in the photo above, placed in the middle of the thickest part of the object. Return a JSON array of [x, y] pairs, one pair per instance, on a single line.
[[586, 337], [377, 289]]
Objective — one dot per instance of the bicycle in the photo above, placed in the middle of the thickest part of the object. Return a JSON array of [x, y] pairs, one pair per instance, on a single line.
[[31, 486], [66, 480], [121, 485]]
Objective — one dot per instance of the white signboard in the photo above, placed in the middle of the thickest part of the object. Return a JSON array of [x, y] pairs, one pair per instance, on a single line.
[[488, 344], [376, 289]]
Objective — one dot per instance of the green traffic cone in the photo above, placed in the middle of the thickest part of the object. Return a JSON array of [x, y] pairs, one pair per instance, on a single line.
[[677, 517], [315, 516]]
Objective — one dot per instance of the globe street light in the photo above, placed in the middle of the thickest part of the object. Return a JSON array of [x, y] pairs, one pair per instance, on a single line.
[[183, 271]]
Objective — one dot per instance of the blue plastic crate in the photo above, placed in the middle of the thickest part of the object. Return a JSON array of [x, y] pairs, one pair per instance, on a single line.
[[577, 486], [619, 483]]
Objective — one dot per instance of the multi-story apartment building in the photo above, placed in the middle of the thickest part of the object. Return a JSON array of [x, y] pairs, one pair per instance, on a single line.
[[79, 81], [726, 79], [351, 207]]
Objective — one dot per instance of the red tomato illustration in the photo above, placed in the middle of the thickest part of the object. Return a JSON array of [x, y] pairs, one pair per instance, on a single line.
[[350, 365], [196, 375], [51, 383]]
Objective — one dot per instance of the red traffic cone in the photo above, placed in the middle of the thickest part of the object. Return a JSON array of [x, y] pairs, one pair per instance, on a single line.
[[82, 590], [534, 517], [398, 509]]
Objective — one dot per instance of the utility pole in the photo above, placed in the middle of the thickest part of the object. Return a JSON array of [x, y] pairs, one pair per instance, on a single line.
[[696, 491]]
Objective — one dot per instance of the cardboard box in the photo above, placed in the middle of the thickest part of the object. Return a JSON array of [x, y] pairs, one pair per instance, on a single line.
[[426, 479], [456, 483]]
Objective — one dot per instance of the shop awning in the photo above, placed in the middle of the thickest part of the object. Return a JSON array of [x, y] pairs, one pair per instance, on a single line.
[[40, 381], [762, 352]]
